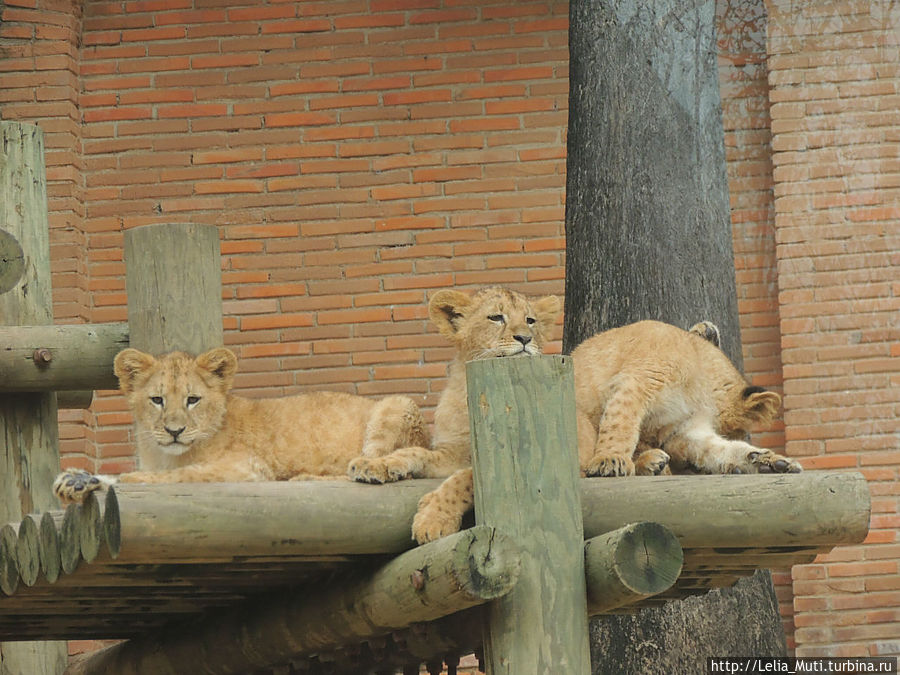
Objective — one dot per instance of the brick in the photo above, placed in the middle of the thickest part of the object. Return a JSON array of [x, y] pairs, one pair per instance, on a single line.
[[275, 321], [296, 26], [299, 119]]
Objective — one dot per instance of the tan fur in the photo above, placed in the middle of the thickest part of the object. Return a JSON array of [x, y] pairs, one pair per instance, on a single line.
[[639, 389], [494, 322], [649, 393], [190, 428]]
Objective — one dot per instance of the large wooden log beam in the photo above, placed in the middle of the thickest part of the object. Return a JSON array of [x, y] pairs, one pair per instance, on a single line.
[[525, 468], [28, 422], [55, 358], [808, 509], [424, 584], [197, 522], [214, 522]]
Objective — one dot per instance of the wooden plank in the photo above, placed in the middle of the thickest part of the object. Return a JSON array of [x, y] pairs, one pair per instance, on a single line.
[[426, 583], [28, 422], [173, 278], [73, 357], [525, 468]]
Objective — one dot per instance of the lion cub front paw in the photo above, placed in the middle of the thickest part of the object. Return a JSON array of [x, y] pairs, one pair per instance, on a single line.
[[651, 462], [377, 470], [766, 461], [73, 486], [610, 465], [435, 519]]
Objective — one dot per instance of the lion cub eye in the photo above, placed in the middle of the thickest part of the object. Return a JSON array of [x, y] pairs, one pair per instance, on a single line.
[[192, 401], [156, 400], [497, 318], [531, 321]]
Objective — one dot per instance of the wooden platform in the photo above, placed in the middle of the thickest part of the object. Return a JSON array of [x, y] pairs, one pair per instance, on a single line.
[[148, 558]]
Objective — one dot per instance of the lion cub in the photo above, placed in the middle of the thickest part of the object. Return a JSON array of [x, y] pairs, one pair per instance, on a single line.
[[655, 395], [190, 428], [494, 322]]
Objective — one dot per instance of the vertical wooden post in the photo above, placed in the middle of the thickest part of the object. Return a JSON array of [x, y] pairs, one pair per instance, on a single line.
[[173, 277], [525, 463], [29, 436]]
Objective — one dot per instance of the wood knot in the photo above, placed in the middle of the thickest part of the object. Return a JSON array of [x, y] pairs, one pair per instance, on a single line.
[[42, 356]]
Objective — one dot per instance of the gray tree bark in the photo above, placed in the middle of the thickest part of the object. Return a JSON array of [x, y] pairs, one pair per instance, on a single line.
[[648, 236]]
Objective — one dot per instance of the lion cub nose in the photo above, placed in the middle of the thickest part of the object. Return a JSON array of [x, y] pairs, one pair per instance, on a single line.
[[175, 433], [524, 339]]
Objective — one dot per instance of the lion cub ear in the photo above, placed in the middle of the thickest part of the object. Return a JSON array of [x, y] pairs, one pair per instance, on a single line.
[[128, 364], [547, 308], [447, 308], [761, 405], [220, 362]]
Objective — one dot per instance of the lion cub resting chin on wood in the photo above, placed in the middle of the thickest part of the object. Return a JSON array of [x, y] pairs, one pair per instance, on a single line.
[[494, 322], [189, 428], [654, 395]]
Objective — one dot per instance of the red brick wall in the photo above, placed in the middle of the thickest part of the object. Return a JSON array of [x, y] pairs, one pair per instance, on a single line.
[[835, 79], [359, 154], [356, 156], [745, 113]]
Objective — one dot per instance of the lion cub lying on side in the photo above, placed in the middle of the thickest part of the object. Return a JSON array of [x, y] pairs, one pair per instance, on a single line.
[[189, 428]]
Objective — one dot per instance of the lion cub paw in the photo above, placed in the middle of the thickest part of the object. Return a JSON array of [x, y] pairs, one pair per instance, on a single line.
[[377, 470], [708, 331], [434, 519], [610, 465], [766, 461], [651, 462], [73, 486]]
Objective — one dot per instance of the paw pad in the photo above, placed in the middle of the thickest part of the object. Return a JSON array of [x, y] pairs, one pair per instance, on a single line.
[[74, 485]]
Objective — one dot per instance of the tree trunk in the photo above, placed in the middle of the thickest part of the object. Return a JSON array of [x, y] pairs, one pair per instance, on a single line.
[[649, 237]]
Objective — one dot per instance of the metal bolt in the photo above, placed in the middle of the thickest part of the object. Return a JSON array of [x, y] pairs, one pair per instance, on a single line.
[[42, 356]]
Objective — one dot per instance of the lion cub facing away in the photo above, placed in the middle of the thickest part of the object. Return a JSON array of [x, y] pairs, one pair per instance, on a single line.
[[190, 428], [656, 395]]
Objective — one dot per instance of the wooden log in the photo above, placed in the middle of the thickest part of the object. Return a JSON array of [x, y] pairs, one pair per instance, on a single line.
[[9, 567], [807, 509], [23, 212], [51, 563], [525, 468], [70, 539], [173, 278], [28, 422], [52, 358], [70, 399], [90, 528], [426, 583], [28, 549], [197, 522], [12, 261], [629, 565]]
